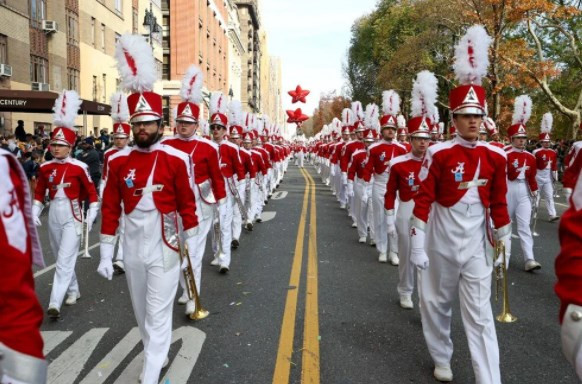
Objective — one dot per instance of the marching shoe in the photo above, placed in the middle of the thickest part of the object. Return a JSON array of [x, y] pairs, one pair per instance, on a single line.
[[443, 373], [223, 269], [372, 242], [362, 240], [532, 265], [394, 260], [343, 206], [382, 258], [190, 307], [249, 226], [406, 302], [72, 298], [259, 220], [214, 261], [184, 298], [234, 244], [354, 225], [166, 362], [53, 312], [554, 218], [118, 267], [266, 202]]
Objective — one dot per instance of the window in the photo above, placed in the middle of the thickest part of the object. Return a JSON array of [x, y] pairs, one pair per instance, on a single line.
[[117, 36], [38, 69], [103, 37], [72, 29], [166, 110], [93, 31], [3, 49], [134, 20], [118, 6], [104, 93], [37, 12], [94, 88], [73, 79], [166, 67]]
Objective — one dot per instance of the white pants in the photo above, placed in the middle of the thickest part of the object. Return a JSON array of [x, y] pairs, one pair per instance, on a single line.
[[519, 208], [256, 201], [64, 238], [406, 270], [226, 214], [120, 233], [455, 245], [152, 288], [360, 208], [237, 221], [379, 215], [546, 190]]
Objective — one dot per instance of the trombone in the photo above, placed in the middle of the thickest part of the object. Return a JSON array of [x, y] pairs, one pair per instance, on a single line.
[[216, 229], [200, 313], [501, 280]]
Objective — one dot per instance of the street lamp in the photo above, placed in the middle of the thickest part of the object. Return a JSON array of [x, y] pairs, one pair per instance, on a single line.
[[151, 22]]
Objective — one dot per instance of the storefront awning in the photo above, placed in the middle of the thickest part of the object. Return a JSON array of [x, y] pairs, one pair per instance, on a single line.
[[43, 102]]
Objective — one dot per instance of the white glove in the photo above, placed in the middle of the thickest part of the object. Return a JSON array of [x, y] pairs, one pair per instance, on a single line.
[[391, 224], [534, 194], [344, 178], [36, 210], [365, 195], [418, 256], [555, 175], [506, 238], [105, 268], [350, 189], [567, 194], [91, 215]]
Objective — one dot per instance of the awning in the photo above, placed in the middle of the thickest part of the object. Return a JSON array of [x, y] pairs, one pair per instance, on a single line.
[[43, 102]]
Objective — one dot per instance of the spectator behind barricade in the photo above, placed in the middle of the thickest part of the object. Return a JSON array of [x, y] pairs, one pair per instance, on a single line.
[[12, 146], [31, 166], [19, 132], [90, 157], [104, 138], [100, 151]]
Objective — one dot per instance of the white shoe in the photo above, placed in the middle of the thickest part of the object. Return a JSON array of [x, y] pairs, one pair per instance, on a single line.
[[532, 265], [342, 206], [166, 362], [72, 299], [216, 260], [443, 374], [354, 225], [184, 298], [406, 302], [224, 269], [362, 240], [119, 267], [372, 242], [382, 258], [394, 260], [190, 307]]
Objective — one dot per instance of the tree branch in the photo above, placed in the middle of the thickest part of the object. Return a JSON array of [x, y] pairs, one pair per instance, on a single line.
[[538, 44]]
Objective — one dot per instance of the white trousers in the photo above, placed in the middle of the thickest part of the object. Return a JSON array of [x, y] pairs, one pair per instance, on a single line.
[[226, 214], [519, 208], [152, 288], [360, 208], [546, 190], [236, 215], [379, 215], [406, 270], [120, 233], [64, 239], [256, 201], [455, 245]]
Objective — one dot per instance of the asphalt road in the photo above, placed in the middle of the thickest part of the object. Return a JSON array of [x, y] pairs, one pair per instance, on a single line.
[[340, 308]]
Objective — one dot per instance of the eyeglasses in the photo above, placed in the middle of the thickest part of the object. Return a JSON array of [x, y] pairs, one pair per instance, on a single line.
[[216, 126]]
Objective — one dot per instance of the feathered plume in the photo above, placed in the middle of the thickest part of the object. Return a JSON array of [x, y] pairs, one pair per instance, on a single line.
[[435, 118], [204, 127], [348, 117], [192, 85], [441, 128], [66, 109], [472, 56], [217, 103], [358, 110], [247, 120], [521, 109], [401, 121], [424, 95], [119, 109], [372, 115], [264, 124], [235, 113], [547, 121], [135, 63], [390, 103]]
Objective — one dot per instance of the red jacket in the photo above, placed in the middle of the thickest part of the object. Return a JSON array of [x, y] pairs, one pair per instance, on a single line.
[[497, 144], [358, 166], [402, 179], [406, 145], [247, 162], [447, 164], [380, 155], [546, 158], [347, 151], [230, 163], [106, 155], [129, 174], [518, 161], [258, 162], [573, 163], [265, 156], [337, 152], [72, 175]]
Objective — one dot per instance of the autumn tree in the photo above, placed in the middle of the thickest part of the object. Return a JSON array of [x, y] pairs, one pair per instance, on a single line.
[[330, 106]]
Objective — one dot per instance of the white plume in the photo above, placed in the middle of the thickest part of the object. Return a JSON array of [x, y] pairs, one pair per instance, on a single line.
[[135, 63], [348, 117], [472, 56], [401, 121], [204, 127], [235, 113], [217, 103], [358, 110], [66, 109], [372, 115], [441, 128], [424, 95], [119, 108], [192, 85], [436, 117], [521, 109], [547, 121], [390, 102]]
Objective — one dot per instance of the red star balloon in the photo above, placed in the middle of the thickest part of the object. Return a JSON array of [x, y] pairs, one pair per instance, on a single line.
[[296, 116], [298, 94]]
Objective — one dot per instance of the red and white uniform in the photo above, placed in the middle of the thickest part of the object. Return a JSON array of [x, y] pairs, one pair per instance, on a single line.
[[403, 182], [380, 154], [243, 187], [497, 144], [338, 187], [461, 182], [20, 312], [359, 178], [572, 167], [406, 145], [68, 184], [273, 171], [547, 174], [569, 273], [257, 186], [521, 176]]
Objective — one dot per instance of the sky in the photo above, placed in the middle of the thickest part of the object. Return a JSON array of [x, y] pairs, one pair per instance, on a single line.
[[311, 37]]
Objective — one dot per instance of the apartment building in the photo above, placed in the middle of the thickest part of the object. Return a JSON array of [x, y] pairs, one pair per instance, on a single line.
[[248, 13]]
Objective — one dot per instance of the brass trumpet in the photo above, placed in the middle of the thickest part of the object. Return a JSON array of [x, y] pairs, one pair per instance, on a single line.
[[501, 279], [190, 281]]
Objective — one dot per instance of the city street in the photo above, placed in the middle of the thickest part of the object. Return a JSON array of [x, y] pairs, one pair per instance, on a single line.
[[303, 302]]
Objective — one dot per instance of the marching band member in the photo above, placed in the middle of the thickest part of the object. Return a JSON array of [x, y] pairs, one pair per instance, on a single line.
[[208, 184], [260, 170], [336, 150], [21, 344], [258, 146], [492, 132], [380, 154], [151, 186], [403, 136], [301, 149], [461, 180], [572, 167], [522, 188], [547, 167], [356, 129], [403, 181], [68, 183]]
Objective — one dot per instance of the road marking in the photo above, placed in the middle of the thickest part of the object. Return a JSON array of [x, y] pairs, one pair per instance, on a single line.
[[52, 266], [52, 339], [268, 215], [66, 368], [310, 373], [184, 362], [279, 195], [285, 351]]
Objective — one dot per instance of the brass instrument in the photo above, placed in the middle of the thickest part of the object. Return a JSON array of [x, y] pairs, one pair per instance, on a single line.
[[190, 281], [501, 279], [243, 212], [216, 229], [84, 233]]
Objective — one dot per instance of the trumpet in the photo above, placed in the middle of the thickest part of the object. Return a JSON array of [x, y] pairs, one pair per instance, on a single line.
[[190, 281], [243, 211], [501, 281]]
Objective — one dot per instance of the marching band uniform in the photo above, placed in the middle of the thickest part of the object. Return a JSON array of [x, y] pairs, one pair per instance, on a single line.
[[68, 183], [572, 168], [492, 132], [21, 344], [521, 186], [547, 167], [151, 185], [461, 181], [402, 135], [261, 171]]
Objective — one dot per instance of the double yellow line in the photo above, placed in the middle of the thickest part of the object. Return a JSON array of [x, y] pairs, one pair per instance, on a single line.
[[310, 350]]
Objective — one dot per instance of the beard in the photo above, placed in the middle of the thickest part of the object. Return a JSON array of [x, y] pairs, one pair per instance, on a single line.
[[148, 141]]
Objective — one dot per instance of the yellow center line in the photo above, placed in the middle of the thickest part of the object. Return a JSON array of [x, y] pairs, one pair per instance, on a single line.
[[310, 362], [285, 351]]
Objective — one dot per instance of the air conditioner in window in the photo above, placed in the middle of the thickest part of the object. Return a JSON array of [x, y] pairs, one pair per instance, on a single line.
[[5, 70], [40, 86], [49, 26]]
